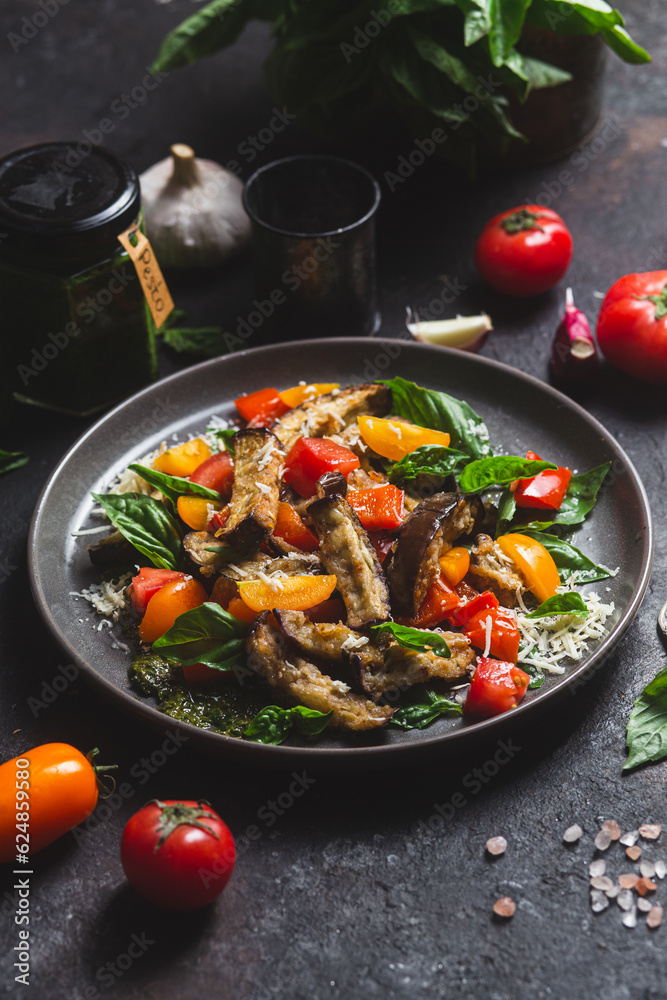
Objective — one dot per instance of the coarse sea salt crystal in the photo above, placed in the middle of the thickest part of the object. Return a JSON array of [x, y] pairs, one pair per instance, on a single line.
[[599, 901], [597, 867], [660, 869], [573, 834]]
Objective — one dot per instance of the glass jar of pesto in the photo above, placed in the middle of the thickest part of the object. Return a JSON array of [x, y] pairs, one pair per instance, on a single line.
[[77, 331]]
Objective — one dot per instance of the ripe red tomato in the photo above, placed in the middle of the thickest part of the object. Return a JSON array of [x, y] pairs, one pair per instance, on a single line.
[[146, 584], [524, 251], [216, 472], [178, 855], [310, 458], [496, 686], [546, 490], [632, 326]]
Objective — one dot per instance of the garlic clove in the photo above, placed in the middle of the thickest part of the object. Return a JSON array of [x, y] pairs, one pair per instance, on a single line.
[[467, 333], [193, 211]]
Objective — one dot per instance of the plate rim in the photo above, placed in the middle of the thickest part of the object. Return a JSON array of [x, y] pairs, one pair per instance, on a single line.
[[379, 755]]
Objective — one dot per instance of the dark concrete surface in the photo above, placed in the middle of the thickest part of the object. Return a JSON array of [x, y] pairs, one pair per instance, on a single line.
[[359, 887]]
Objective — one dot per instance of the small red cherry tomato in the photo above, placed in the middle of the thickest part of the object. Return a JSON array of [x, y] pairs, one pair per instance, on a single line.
[[310, 458], [217, 473], [524, 251], [178, 855], [496, 686], [632, 326], [261, 408], [546, 490]]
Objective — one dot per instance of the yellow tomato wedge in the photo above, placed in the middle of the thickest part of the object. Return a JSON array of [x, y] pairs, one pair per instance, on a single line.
[[454, 565], [290, 593], [299, 394], [394, 439], [536, 564], [183, 459], [196, 511]]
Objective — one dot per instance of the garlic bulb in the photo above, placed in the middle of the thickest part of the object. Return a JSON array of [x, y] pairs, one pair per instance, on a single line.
[[193, 212], [465, 332]]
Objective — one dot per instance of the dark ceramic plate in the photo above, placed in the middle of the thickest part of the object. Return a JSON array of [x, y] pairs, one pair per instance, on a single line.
[[521, 412]]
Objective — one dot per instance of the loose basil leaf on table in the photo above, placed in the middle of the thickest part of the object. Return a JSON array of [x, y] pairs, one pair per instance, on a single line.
[[428, 460], [561, 604], [569, 558], [273, 724], [206, 634], [174, 487], [647, 725], [145, 523], [440, 412], [506, 511], [422, 707], [10, 460], [499, 471], [421, 640], [579, 500]]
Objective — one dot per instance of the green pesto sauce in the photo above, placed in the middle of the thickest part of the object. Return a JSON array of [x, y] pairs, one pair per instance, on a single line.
[[227, 707]]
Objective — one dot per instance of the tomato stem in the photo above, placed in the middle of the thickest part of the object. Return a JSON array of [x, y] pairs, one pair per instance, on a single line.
[[659, 301], [179, 814], [106, 784], [520, 221]]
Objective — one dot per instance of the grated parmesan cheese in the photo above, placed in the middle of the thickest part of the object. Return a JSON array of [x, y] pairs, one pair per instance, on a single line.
[[262, 487], [354, 642], [271, 582], [108, 598], [547, 641], [488, 625], [340, 686]]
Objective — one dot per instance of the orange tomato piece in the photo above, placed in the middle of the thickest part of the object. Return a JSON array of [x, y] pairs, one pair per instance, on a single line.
[[240, 609], [170, 601], [291, 528], [535, 564], [294, 593], [196, 512], [454, 565], [394, 439], [183, 459], [299, 394]]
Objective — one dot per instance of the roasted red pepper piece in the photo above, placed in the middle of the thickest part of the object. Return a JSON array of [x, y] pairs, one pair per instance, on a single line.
[[310, 458], [545, 490], [496, 686], [261, 408], [480, 602], [438, 604], [291, 528], [379, 508], [504, 633]]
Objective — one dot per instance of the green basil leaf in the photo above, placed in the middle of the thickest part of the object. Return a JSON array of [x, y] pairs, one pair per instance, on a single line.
[[206, 634], [581, 497], [541, 74], [506, 511], [272, 725], [499, 471], [507, 17], [647, 726], [428, 460], [620, 42], [568, 558], [145, 523], [561, 604], [536, 676], [225, 434], [10, 460], [440, 412], [204, 33], [421, 640], [174, 487], [421, 707]]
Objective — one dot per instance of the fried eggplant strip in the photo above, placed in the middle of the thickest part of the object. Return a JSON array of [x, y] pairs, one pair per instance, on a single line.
[[258, 465]]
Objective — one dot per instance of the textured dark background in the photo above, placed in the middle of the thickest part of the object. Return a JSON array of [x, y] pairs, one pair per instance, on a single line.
[[359, 888]]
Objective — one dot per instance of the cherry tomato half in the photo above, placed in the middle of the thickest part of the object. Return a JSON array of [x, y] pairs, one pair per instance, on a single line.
[[178, 855], [496, 686], [524, 251], [632, 326], [216, 472]]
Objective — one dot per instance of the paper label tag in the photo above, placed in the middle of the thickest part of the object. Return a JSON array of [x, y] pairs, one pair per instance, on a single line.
[[150, 276]]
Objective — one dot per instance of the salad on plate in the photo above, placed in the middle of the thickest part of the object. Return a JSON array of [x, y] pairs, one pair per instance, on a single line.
[[352, 558]]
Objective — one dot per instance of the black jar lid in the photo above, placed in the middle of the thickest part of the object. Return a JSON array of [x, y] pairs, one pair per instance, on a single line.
[[65, 198]]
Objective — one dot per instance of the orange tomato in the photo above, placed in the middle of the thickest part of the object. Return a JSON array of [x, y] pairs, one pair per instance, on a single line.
[[47, 790], [196, 512], [394, 439], [291, 528], [240, 609], [184, 458], [535, 564], [295, 593], [170, 601], [454, 565], [299, 394]]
